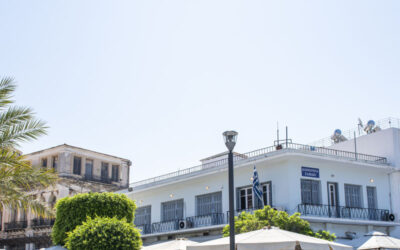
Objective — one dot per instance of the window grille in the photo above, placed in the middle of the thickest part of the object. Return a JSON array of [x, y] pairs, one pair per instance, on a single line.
[[371, 193], [353, 195], [143, 216], [172, 210], [209, 203]]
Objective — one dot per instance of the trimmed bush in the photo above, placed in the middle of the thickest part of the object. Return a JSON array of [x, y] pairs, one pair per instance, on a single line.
[[104, 233], [73, 211]]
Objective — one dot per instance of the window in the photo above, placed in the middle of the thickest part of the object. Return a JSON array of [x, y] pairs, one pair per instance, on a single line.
[[115, 173], [44, 162], [267, 193], [371, 194], [104, 171], [353, 195], [209, 203], [172, 210], [55, 162], [89, 169], [143, 216], [77, 165], [245, 198], [310, 192]]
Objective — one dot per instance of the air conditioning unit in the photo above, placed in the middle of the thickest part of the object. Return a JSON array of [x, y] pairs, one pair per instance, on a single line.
[[182, 224]]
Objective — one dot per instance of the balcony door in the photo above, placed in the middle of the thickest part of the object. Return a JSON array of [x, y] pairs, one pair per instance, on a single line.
[[104, 171], [333, 200]]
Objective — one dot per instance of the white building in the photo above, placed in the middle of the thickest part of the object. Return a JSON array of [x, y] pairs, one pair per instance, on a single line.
[[335, 188]]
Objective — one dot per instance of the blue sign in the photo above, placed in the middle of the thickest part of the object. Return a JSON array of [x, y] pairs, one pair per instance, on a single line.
[[310, 172]]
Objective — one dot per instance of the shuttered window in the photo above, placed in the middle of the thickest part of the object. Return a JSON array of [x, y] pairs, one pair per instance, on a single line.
[[353, 195], [209, 203], [77, 165], [143, 216], [310, 192], [115, 173], [172, 210]]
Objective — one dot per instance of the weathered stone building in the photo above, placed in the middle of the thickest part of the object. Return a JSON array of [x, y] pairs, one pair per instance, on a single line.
[[80, 171]]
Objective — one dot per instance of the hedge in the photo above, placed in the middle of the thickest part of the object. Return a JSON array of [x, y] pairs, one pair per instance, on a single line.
[[104, 233], [73, 211]]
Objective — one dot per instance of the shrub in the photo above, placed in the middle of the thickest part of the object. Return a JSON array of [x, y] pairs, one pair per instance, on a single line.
[[268, 216], [104, 233], [73, 211]]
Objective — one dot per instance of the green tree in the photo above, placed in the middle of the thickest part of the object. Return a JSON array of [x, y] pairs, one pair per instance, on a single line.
[[73, 211], [246, 222], [104, 233], [17, 177]]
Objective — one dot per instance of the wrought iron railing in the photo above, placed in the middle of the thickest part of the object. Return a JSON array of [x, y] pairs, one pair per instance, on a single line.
[[262, 153], [42, 222], [145, 228], [15, 225], [344, 212], [191, 222], [164, 226], [205, 220], [359, 131], [97, 179]]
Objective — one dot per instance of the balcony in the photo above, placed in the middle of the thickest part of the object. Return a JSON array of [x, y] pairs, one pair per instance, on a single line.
[[15, 225], [41, 222], [97, 179], [189, 222], [344, 212]]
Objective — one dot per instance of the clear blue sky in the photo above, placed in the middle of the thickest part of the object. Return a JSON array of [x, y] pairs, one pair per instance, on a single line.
[[158, 81]]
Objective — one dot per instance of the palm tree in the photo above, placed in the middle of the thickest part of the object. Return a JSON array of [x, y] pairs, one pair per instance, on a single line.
[[18, 179]]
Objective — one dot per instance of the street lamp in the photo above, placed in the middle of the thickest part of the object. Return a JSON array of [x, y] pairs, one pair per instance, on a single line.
[[230, 142]]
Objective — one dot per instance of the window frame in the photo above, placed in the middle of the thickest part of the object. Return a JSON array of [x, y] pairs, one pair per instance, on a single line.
[[219, 209], [77, 167], [347, 199], [267, 202], [176, 217], [312, 196]]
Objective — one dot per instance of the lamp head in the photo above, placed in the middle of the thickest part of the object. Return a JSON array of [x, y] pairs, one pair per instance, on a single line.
[[230, 139]]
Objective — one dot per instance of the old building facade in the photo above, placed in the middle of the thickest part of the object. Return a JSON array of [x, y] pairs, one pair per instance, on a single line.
[[80, 171]]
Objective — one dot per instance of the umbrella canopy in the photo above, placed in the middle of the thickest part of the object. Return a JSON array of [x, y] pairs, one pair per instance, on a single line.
[[376, 240], [271, 239], [178, 244]]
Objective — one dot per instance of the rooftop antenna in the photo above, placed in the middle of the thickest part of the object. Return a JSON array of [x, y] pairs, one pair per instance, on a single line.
[[360, 126]]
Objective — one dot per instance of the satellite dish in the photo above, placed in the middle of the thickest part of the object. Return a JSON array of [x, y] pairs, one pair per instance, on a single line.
[[371, 128], [337, 136]]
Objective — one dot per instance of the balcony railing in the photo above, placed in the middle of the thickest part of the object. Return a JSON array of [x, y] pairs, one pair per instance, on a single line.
[[262, 153], [97, 179], [41, 222], [343, 212], [15, 225], [189, 222]]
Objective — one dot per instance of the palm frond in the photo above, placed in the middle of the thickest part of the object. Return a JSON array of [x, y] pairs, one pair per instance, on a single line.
[[7, 87], [24, 131]]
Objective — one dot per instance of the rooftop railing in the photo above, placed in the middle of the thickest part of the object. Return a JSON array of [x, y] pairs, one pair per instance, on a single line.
[[262, 153], [359, 131]]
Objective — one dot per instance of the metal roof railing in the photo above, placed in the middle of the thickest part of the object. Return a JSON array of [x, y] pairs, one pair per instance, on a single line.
[[262, 153], [359, 131]]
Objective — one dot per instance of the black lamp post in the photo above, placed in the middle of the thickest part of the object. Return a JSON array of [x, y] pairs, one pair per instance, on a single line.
[[230, 142]]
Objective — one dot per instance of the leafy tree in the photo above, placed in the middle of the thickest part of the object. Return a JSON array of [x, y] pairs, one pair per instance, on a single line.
[[17, 177], [246, 222], [73, 211], [104, 233]]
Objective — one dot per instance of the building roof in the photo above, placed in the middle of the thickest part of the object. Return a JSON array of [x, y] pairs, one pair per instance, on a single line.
[[79, 148], [222, 154]]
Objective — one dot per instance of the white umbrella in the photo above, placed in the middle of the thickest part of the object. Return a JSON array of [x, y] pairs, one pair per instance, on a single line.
[[271, 239], [178, 244], [376, 240]]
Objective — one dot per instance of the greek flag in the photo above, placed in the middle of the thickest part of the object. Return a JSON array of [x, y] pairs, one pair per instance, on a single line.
[[256, 186]]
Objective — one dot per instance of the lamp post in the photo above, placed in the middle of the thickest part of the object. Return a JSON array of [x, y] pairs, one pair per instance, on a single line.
[[230, 142]]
